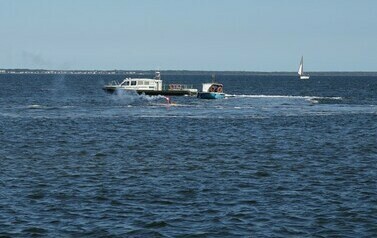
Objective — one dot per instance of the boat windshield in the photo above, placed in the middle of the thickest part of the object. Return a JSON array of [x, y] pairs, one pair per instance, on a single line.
[[216, 88], [125, 83]]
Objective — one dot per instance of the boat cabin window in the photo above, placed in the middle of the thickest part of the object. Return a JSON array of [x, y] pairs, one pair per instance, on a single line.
[[146, 82], [133, 83]]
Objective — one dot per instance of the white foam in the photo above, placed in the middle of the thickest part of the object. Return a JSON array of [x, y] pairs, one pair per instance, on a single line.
[[281, 96], [35, 106]]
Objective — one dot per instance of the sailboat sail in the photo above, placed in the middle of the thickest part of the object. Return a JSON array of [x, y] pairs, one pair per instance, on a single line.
[[301, 68]]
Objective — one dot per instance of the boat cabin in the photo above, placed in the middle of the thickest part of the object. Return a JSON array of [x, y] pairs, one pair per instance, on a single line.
[[212, 87], [141, 84]]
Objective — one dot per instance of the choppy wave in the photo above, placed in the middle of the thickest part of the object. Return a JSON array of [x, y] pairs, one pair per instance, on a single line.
[[35, 106], [130, 166], [45, 107]]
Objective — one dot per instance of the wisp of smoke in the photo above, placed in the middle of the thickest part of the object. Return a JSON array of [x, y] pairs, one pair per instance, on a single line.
[[131, 97]]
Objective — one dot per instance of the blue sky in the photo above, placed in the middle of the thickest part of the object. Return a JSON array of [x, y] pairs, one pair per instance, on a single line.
[[248, 35]]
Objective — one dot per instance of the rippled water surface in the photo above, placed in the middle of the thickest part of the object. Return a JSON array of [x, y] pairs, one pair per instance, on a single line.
[[277, 157]]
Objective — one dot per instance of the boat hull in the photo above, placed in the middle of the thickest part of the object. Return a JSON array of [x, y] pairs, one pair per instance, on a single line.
[[304, 77], [113, 89], [211, 95]]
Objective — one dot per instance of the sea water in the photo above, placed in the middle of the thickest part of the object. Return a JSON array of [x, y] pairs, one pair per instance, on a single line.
[[276, 157]]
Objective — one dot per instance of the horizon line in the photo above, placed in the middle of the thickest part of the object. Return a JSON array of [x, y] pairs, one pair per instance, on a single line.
[[191, 70]]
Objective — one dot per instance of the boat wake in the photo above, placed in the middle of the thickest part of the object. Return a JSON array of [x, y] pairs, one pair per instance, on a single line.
[[313, 99]]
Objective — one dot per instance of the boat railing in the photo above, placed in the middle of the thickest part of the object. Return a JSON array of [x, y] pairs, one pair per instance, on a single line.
[[176, 86]]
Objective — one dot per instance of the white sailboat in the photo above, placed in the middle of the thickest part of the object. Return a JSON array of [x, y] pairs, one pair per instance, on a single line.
[[301, 70]]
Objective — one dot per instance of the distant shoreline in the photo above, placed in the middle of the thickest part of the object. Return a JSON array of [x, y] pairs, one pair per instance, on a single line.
[[182, 72]]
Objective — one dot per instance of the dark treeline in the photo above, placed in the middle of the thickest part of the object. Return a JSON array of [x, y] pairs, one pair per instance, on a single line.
[[181, 72]]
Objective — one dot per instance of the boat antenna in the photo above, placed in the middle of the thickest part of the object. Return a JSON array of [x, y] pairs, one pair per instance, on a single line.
[[213, 78]]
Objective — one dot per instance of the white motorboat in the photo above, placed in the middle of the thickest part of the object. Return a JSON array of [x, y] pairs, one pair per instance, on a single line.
[[150, 86]]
